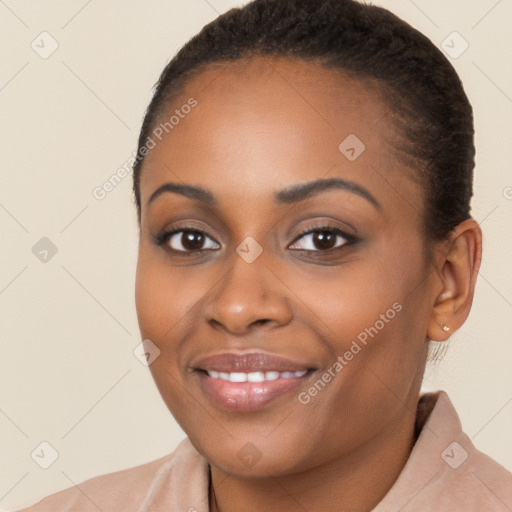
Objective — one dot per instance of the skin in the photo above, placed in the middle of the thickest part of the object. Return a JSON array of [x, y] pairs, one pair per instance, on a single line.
[[259, 127]]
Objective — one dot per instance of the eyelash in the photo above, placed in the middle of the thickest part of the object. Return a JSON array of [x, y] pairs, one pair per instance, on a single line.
[[325, 228], [164, 237]]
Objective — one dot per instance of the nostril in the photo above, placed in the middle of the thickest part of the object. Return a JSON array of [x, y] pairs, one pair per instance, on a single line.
[[261, 321]]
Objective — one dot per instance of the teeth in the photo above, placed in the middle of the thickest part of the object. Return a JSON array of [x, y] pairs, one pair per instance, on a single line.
[[255, 376], [238, 377], [298, 374]]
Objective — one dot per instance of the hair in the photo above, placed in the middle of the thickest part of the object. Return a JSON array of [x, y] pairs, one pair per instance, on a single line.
[[367, 43]]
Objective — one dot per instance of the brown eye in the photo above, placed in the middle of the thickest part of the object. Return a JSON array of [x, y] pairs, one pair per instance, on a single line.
[[324, 240], [320, 240], [190, 240]]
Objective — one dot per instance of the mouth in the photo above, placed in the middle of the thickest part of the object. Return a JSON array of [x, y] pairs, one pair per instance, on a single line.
[[254, 376], [249, 381]]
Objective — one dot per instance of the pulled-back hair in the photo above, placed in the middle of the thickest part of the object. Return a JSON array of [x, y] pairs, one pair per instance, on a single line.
[[365, 42]]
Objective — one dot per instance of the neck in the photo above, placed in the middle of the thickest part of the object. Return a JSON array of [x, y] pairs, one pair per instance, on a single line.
[[357, 480]]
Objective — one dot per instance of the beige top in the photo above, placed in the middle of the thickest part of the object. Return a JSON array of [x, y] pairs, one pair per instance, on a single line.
[[444, 472]]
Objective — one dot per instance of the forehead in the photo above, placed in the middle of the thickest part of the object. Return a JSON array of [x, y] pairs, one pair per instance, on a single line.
[[271, 120]]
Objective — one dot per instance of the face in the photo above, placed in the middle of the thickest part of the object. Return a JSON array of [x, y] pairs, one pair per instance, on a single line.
[[281, 268]]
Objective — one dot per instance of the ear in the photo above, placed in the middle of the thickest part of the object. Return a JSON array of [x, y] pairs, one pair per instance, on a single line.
[[458, 262]]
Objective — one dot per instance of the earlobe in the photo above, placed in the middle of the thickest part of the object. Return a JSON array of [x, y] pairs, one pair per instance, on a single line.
[[438, 331], [458, 267]]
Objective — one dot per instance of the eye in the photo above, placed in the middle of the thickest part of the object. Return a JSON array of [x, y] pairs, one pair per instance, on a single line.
[[321, 239], [187, 240]]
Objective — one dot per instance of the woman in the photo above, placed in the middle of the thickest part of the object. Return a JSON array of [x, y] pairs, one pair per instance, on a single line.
[[303, 187]]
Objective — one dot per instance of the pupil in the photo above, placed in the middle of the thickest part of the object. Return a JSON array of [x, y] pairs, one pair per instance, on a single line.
[[192, 240], [324, 239]]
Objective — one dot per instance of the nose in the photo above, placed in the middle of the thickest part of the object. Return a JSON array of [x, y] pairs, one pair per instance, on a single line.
[[249, 295]]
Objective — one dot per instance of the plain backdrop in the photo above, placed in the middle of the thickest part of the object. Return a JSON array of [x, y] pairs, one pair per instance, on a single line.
[[68, 325]]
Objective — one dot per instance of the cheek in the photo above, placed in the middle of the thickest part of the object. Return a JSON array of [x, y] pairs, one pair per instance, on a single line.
[[163, 302], [379, 291], [343, 301], [369, 319], [370, 312], [165, 296]]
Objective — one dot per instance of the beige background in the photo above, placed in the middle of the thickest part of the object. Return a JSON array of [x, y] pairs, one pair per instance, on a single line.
[[68, 326]]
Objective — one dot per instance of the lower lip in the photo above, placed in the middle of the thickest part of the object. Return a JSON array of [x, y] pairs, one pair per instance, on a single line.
[[248, 396]]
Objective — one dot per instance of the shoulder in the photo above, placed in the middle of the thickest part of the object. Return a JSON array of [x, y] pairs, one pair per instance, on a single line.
[[465, 475], [136, 488], [445, 471], [466, 480], [479, 483]]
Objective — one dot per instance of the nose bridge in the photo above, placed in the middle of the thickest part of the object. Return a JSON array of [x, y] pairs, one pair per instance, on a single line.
[[248, 294]]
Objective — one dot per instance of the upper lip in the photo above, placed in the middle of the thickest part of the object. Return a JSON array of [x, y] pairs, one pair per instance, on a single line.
[[248, 362]]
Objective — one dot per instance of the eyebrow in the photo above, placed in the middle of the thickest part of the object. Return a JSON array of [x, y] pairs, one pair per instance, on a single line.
[[302, 191], [190, 191], [292, 194]]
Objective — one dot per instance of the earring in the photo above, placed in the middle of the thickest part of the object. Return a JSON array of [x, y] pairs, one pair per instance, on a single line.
[[445, 328]]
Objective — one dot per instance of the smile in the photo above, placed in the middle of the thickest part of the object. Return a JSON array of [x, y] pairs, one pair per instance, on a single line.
[[254, 376], [250, 381]]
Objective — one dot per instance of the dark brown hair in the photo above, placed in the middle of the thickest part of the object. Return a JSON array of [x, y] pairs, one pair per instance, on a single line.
[[366, 42]]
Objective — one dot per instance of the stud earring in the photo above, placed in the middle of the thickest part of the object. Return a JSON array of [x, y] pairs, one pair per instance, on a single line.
[[445, 328]]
